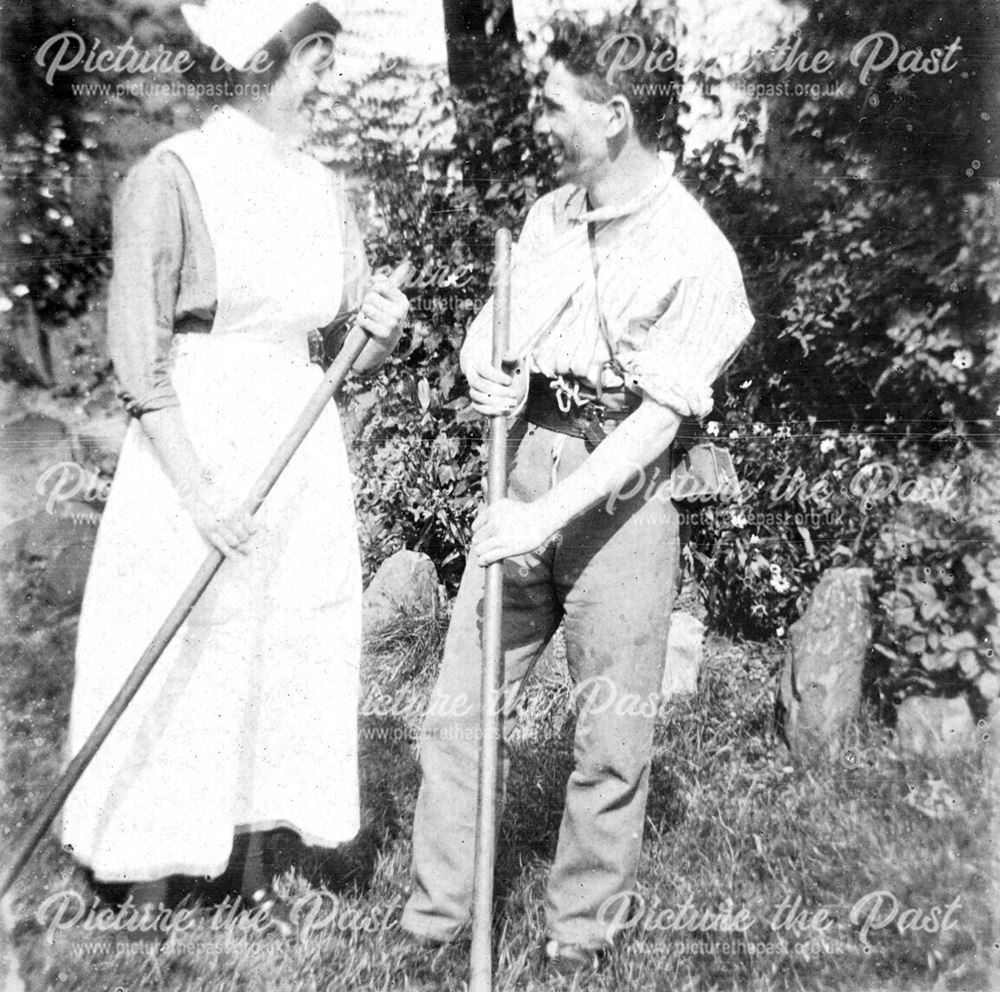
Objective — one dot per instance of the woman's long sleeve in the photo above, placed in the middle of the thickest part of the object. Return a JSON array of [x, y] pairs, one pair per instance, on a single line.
[[163, 280], [148, 246]]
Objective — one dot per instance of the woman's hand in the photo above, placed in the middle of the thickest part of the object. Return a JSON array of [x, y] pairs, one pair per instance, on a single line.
[[383, 312], [223, 525]]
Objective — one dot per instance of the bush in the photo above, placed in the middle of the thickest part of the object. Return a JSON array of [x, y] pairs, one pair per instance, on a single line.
[[869, 254], [938, 572], [811, 501], [801, 512], [417, 444], [872, 242]]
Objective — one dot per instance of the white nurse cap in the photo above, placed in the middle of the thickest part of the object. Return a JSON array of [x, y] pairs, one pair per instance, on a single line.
[[238, 29]]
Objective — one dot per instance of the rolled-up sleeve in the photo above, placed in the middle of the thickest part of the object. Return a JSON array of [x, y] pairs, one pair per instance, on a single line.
[[147, 257], [688, 347]]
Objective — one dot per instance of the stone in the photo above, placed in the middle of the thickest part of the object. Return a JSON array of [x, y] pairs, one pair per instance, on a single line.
[[935, 726], [99, 440], [685, 653], [31, 446], [405, 585], [820, 688], [65, 575], [61, 548]]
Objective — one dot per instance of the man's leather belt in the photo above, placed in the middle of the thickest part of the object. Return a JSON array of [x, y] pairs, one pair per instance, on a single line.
[[543, 410]]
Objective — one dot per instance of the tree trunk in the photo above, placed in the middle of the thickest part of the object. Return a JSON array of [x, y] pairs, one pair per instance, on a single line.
[[465, 25]]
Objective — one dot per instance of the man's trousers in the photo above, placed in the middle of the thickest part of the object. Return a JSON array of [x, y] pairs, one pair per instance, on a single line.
[[610, 577]]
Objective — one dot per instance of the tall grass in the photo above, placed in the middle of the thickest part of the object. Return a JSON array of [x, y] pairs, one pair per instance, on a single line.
[[734, 823]]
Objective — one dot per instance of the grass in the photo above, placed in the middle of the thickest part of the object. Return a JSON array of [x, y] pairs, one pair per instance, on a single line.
[[734, 824]]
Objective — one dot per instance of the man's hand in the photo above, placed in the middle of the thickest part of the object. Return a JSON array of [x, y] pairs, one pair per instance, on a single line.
[[509, 528], [494, 392]]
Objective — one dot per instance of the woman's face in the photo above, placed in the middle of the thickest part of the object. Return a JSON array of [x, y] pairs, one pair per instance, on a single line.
[[308, 74]]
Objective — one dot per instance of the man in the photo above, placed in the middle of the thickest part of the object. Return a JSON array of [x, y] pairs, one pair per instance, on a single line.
[[627, 302]]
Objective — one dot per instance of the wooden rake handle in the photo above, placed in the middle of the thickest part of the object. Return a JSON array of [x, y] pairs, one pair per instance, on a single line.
[[491, 689]]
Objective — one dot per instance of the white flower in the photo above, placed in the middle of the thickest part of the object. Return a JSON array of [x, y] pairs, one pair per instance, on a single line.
[[712, 427], [5, 304], [754, 539], [779, 583], [52, 213], [738, 521], [747, 384], [827, 444], [962, 358], [67, 221], [780, 632], [865, 453], [24, 238], [20, 290], [734, 434]]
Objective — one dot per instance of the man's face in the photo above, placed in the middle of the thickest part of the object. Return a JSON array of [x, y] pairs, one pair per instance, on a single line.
[[574, 128]]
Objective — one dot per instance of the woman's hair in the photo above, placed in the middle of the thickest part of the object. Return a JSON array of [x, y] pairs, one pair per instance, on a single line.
[[314, 25]]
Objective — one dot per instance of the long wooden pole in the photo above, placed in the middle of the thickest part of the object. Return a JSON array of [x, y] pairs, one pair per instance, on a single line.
[[491, 689], [332, 381]]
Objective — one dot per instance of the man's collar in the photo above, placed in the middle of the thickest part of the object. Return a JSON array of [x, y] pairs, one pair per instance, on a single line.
[[576, 205]]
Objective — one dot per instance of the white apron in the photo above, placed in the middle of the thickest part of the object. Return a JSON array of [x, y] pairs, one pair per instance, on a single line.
[[249, 719]]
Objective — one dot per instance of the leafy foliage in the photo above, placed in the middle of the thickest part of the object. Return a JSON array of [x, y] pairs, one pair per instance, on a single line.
[[418, 445], [872, 244], [869, 245], [869, 252], [939, 571], [802, 510]]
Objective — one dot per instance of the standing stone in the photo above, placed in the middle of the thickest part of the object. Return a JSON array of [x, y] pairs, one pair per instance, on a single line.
[[99, 440], [405, 585], [33, 448], [934, 726], [820, 689], [685, 652]]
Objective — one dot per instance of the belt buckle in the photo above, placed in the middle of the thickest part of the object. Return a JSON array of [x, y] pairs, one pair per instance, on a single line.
[[568, 396], [595, 431]]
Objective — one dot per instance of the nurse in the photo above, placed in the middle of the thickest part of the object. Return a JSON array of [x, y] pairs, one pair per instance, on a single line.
[[232, 247]]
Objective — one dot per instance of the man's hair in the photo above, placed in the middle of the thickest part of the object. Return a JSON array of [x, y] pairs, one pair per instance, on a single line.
[[589, 51]]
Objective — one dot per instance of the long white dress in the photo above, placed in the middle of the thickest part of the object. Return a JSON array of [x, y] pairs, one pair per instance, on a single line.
[[249, 719]]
